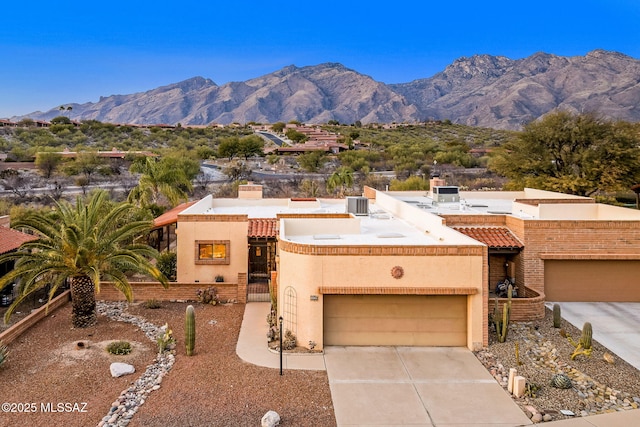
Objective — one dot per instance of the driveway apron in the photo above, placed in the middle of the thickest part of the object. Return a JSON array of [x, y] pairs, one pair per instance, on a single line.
[[416, 386]]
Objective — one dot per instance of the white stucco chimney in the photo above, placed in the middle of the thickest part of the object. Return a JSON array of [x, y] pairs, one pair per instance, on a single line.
[[250, 191]]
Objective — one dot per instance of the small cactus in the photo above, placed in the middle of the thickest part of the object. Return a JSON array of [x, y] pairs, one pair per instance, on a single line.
[[190, 330], [561, 381], [4, 353], [583, 346], [587, 333], [502, 325], [557, 317]]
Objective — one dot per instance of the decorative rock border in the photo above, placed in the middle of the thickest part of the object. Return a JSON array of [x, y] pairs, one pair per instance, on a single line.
[[130, 400], [596, 397]]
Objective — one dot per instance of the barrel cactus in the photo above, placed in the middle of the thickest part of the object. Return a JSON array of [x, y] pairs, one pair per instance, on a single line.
[[587, 333], [190, 330], [561, 381]]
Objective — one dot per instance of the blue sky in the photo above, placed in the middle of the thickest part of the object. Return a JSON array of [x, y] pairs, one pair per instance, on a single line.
[[56, 53]]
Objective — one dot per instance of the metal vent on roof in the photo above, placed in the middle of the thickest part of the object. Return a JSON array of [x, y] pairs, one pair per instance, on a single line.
[[358, 205], [390, 235], [380, 215], [326, 237]]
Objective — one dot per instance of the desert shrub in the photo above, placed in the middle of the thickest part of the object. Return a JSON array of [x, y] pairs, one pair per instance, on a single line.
[[289, 342], [165, 340], [208, 295], [152, 304], [168, 264], [119, 348]]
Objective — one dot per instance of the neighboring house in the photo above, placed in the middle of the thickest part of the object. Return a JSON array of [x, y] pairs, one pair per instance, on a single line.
[[113, 154], [10, 240], [411, 268]]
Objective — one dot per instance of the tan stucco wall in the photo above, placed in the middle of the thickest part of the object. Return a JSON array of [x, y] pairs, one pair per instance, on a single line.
[[233, 231], [307, 273]]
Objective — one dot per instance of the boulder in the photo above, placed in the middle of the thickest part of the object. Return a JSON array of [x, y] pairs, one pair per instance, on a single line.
[[270, 419], [119, 369]]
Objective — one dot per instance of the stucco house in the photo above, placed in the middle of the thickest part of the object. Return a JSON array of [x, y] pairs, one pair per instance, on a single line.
[[410, 268]]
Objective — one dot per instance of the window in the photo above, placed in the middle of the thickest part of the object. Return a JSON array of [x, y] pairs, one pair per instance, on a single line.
[[212, 252]]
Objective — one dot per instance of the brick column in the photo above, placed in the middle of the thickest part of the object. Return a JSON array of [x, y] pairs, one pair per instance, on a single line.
[[242, 288], [274, 283]]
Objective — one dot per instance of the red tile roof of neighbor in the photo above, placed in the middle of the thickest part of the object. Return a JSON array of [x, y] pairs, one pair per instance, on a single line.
[[494, 237], [171, 216], [11, 239], [263, 227]]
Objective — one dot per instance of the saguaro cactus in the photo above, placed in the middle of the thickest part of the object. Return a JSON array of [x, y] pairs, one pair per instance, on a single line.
[[190, 330], [502, 325]]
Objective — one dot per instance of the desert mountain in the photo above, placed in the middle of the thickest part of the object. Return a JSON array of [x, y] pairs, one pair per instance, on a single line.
[[483, 90]]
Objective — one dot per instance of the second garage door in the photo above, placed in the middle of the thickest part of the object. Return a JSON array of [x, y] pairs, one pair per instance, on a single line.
[[592, 280], [411, 320]]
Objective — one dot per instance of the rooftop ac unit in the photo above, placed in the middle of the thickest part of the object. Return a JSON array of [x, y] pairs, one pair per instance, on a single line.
[[358, 205], [446, 194]]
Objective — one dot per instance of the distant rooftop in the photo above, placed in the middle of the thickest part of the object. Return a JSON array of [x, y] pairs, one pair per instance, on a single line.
[[526, 204]]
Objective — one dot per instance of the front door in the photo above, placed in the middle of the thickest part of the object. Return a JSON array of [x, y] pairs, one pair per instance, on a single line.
[[258, 261]]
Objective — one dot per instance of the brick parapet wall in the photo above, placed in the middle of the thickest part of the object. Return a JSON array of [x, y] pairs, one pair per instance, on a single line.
[[369, 193], [213, 218], [312, 215], [23, 325], [363, 290], [474, 220], [536, 202], [143, 291], [526, 309], [376, 250]]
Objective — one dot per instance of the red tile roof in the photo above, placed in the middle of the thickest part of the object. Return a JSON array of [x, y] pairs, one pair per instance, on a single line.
[[171, 216], [263, 227], [494, 237], [11, 239]]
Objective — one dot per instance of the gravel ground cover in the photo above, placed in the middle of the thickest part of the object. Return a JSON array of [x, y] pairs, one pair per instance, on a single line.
[[598, 385], [214, 387]]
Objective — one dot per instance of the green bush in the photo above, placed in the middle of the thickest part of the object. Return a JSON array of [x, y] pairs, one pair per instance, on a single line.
[[168, 264], [119, 348], [152, 304]]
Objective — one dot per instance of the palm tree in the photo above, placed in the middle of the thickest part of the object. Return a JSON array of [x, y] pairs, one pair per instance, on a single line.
[[340, 180], [159, 178], [81, 245]]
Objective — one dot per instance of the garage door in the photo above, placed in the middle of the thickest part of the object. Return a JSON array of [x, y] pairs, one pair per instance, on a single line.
[[411, 320], [590, 280]]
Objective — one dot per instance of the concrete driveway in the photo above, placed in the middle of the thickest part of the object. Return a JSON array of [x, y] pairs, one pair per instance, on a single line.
[[616, 325], [416, 386]]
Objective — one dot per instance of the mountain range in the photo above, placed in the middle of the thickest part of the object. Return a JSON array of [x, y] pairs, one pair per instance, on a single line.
[[481, 90]]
